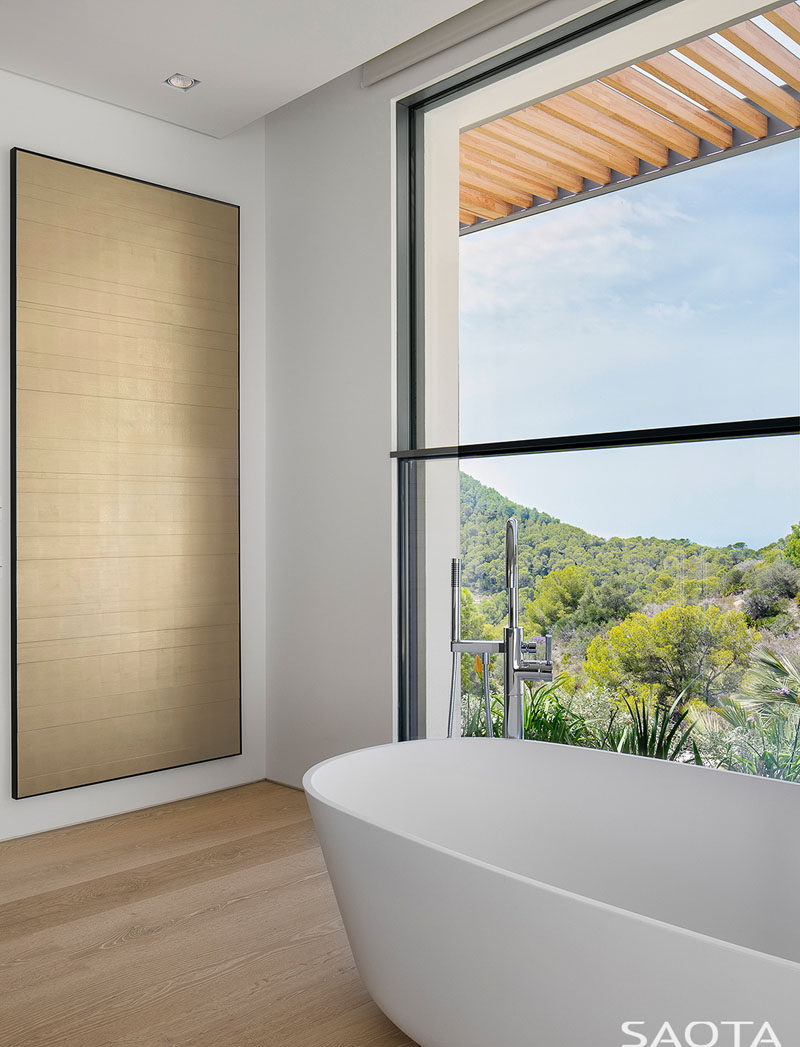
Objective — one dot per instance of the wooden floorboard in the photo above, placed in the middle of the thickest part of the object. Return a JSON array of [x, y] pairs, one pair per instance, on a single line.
[[205, 923]]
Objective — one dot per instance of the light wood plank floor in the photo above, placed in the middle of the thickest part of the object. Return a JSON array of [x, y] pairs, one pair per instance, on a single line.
[[205, 922]]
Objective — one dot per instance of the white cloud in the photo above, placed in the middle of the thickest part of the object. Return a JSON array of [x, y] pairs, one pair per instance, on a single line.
[[671, 311]]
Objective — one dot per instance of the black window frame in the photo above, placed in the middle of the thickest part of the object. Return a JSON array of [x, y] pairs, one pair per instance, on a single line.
[[412, 451]]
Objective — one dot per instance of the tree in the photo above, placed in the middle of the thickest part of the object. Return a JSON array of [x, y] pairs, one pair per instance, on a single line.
[[609, 602], [791, 546], [682, 650], [771, 586], [558, 596]]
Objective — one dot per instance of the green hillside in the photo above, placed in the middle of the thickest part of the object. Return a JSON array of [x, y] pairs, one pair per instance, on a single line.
[[646, 570], [646, 631]]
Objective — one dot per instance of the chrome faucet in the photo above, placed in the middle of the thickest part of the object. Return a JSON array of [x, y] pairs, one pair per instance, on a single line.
[[513, 647]]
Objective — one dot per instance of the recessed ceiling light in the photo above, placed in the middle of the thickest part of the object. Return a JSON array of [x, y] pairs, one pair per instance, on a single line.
[[181, 81]]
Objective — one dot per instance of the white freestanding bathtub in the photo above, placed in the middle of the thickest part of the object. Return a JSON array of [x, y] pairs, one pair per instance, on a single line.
[[518, 894]]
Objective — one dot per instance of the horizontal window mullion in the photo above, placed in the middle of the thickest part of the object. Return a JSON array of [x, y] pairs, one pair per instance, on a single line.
[[758, 427]]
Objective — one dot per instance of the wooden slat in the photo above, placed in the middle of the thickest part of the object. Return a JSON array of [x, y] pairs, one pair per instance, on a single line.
[[607, 153], [664, 101], [519, 138], [483, 204], [765, 49], [465, 218], [787, 19], [721, 63], [583, 165], [671, 102], [475, 179], [516, 159], [610, 102], [692, 83], [587, 119], [506, 176]]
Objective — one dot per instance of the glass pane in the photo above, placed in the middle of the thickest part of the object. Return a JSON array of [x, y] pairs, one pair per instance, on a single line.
[[668, 578], [667, 303]]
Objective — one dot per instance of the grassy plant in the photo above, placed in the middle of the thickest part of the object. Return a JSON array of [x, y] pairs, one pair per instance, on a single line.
[[659, 732], [773, 683], [473, 716], [650, 729], [763, 742], [548, 717]]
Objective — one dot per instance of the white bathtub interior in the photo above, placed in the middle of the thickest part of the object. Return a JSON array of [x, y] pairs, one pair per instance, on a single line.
[[710, 851]]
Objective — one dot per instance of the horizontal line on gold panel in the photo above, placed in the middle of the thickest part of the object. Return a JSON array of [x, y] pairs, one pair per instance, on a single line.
[[118, 229], [42, 783], [221, 501], [189, 485], [230, 527], [231, 627], [171, 361], [45, 443], [100, 188], [81, 201], [139, 609], [162, 249], [118, 287], [111, 715], [165, 709], [126, 346], [28, 382], [46, 612], [223, 681], [95, 530], [213, 619], [188, 677], [34, 290], [29, 463], [91, 205], [201, 426], [122, 556], [120, 682], [116, 368], [120, 475], [227, 523], [125, 642], [120, 650], [205, 748], [165, 335], [180, 560], [123, 317]]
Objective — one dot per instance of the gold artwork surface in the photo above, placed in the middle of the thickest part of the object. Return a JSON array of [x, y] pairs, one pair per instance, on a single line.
[[126, 450]]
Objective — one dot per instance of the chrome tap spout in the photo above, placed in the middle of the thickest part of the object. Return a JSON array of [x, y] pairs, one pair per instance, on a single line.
[[512, 572]]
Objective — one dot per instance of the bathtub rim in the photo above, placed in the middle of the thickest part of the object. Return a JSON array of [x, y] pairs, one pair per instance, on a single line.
[[650, 921]]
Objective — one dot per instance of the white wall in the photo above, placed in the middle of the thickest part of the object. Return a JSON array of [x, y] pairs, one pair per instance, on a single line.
[[47, 120], [330, 407]]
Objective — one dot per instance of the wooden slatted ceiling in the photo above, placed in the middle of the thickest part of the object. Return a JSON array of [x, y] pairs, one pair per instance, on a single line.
[[706, 97]]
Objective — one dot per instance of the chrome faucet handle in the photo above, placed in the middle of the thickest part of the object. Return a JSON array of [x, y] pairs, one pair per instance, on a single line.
[[532, 647]]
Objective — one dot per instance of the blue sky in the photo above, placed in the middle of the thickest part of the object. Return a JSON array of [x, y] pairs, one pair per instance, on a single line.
[[668, 303]]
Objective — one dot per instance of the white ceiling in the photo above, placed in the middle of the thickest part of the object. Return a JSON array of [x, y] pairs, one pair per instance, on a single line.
[[252, 56]]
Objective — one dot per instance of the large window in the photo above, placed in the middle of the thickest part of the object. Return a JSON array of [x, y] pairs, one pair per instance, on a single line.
[[613, 357]]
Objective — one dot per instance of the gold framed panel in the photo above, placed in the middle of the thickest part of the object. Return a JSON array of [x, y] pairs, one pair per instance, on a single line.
[[125, 476]]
